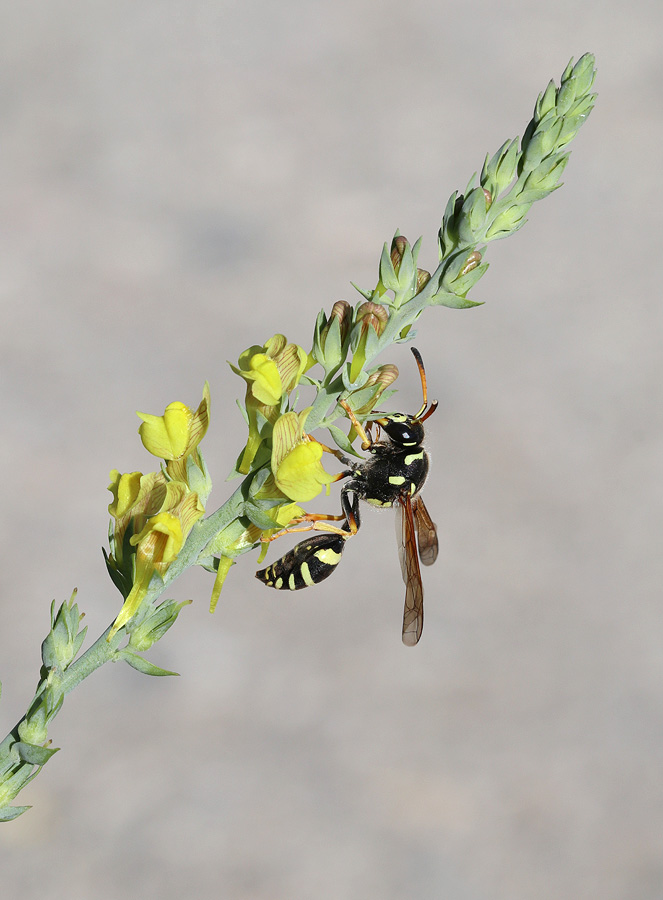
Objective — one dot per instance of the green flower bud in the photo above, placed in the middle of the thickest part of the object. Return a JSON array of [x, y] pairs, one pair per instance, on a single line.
[[156, 624], [508, 221], [64, 640], [330, 344]]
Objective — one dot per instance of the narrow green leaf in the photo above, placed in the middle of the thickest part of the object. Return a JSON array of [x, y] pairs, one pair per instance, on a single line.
[[7, 813], [257, 516], [34, 754], [141, 664], [340, 439], [453, 301]]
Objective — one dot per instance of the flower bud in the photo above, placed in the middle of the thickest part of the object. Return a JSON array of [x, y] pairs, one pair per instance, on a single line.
[[330, 344], [342, 311], [398, 247], [156, 624], [372, 315], [423, 277], [365, 399], [471, 262]]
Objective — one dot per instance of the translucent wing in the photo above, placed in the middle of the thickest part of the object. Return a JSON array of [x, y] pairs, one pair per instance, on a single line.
[[413, 614], [426, 532]]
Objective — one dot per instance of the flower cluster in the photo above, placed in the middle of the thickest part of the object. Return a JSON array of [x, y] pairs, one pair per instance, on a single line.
[[153, 514]]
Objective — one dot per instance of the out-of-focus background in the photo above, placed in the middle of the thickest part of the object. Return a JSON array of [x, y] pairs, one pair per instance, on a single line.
[[182, 180]]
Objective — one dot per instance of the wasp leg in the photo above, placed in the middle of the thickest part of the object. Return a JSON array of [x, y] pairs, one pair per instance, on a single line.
[[313, 522], [366, 441], [350, 507], [314, 559]]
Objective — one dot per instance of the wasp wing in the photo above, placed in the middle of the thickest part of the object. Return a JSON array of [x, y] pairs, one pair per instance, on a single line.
[[413, 614], [426, 532]]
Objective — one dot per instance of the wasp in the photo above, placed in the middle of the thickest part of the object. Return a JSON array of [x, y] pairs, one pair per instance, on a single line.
[[391, 476]]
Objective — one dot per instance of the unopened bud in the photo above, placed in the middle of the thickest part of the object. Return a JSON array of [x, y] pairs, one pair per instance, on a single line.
[[365, 399], [372, 315], [342, 311], [423, 277], [398, 246], [471, 262], [384, 376]]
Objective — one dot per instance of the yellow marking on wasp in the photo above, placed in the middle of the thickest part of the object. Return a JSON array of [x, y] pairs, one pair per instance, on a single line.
[[291, 582], [278, 583], [328, 556], [411, 458], [396, 479], [413, 487], [306, 574]]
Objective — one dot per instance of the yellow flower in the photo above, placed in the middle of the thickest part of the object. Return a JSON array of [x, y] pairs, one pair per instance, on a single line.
[[135, 497], [296, 465], [125, 489], [270, 372], [158, 543], [176, 434]]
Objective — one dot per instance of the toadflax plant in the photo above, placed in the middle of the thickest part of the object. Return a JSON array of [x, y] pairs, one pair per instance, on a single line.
[[159, 522]]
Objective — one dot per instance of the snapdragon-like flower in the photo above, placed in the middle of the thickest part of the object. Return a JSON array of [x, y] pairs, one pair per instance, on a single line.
[[178, 431], [271, 372], [296, 465], [158, 544], [175, 437], [135, 498]]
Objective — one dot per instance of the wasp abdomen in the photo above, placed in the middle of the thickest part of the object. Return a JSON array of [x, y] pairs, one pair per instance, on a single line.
[[309, 562]]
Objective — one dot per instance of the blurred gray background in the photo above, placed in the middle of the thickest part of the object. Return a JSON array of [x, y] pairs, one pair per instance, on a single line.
[[182, 180]]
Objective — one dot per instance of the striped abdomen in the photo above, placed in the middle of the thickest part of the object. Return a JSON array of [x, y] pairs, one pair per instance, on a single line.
[[309, 562]]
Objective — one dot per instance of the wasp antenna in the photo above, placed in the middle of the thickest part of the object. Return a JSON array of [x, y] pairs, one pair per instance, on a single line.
[[430, 412], [422, 374]]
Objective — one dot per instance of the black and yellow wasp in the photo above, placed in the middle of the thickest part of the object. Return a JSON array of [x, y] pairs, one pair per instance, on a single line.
[[393, 475]]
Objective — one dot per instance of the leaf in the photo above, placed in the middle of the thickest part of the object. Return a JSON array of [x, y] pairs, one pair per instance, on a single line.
[[7, 813], [33, 753], [257, 516], [342, 441], [453, 301], [141, 664]]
